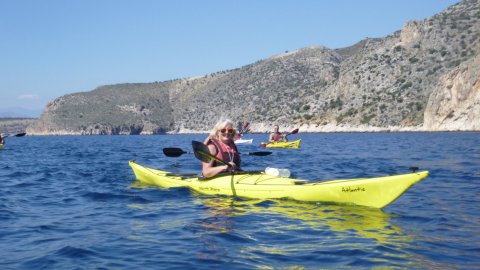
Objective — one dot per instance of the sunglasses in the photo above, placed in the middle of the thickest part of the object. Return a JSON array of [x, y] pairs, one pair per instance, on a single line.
[[227, 130]]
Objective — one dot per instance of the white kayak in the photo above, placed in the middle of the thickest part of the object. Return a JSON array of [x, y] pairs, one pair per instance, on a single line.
[[243, 141]]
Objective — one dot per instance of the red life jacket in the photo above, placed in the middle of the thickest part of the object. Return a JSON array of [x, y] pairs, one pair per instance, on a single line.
[[276, 136], [224, 154]]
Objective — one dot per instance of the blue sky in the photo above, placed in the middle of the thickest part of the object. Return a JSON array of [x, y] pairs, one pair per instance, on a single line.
[[50, 48]]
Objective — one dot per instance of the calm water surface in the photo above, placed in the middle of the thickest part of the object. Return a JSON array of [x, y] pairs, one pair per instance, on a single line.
[[72, 203]]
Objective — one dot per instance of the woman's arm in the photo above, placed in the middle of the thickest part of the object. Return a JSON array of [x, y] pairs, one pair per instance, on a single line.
[[207, 168]]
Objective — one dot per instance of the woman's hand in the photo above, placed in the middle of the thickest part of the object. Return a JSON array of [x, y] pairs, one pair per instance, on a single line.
[[225, 168], [230, 167], [233, 166], [208, 139]]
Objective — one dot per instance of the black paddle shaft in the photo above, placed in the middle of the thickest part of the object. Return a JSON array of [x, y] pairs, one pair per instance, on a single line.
[[176, 152]]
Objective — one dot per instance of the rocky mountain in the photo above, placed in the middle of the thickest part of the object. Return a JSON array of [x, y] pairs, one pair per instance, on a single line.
[[424, 77], [12, 125]]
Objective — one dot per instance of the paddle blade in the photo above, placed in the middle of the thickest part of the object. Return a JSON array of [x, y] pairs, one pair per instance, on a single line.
[[20, 134], [295, 131], [244, 128], [173, 152], [259, 153], [202, 153]]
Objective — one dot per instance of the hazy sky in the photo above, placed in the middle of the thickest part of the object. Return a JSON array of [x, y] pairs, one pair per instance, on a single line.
[[50, 48]]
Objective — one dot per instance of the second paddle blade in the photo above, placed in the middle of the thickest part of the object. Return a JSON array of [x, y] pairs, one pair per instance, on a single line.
[[173, 152]]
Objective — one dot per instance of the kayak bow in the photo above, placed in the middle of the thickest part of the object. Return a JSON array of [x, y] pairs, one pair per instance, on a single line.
[[375, 192]]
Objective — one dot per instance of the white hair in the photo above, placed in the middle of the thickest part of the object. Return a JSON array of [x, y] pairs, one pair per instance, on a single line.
[[219, 125]]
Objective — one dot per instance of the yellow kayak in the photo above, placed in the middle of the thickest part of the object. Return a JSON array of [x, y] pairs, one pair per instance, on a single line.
[[293, 144], [1, 146], [375, 192]]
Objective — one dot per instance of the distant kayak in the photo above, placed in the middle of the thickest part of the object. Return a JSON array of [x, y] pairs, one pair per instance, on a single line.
[[243, 141], [293, 144], [375, 192]]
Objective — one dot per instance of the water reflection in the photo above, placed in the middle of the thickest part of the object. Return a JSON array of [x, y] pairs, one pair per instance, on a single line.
[[261, 233], [363, 221]]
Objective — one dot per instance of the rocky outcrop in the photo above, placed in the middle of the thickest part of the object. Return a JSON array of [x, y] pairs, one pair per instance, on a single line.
[[423, 77], [15, 125], [456, 104], [126, 109]]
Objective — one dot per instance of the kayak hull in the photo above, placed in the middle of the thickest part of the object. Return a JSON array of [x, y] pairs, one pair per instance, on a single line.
[[1, 146], [375, 192], [293, 144]]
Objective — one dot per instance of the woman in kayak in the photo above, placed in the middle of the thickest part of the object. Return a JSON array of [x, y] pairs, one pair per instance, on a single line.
[[221, 145], [277, 136]]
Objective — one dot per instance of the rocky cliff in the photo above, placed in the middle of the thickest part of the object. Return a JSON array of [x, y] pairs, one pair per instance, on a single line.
[[423, 77], [456, 104], [10, 126]]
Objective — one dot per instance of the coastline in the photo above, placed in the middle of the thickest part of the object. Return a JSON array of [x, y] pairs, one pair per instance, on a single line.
[[264, 129]]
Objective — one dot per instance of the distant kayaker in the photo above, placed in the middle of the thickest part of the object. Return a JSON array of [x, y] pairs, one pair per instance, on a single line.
[[221, 145], [2, 138], [277, 136]]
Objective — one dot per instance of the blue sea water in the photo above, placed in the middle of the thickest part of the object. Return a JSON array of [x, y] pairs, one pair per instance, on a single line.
[[71, 202]]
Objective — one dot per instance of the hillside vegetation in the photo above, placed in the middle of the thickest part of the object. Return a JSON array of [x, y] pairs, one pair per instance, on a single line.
[[423, 77]]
